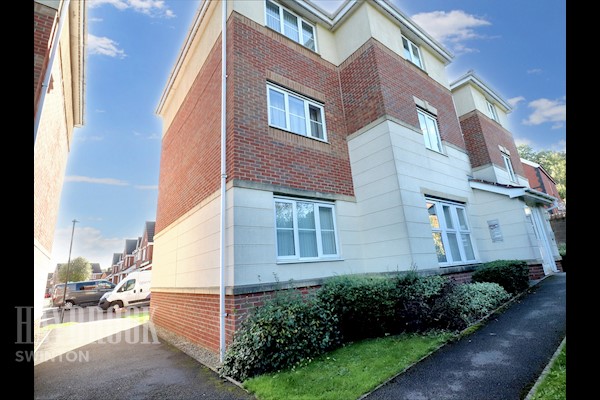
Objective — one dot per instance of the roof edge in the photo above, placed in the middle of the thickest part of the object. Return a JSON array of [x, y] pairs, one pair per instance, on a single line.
[[471, 77]]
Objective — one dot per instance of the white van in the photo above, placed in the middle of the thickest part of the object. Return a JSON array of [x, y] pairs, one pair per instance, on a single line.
[[132, 291]]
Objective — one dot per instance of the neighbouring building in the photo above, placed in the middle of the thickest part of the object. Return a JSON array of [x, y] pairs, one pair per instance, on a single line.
[[59, 31], [137, 255], [541, 180], [144, 250], [348, 151]]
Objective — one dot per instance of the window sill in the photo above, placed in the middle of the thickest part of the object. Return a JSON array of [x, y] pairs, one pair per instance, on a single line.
[[437, 152], [459, 264], [285, 262], [298, 134]]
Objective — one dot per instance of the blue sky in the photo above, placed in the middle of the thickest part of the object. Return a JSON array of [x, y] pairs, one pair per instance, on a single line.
[[517, 47]]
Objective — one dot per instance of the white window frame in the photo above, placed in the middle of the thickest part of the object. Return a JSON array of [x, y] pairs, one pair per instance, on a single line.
[[296, 257], [307, 103], [411, 57], [299, 21], [492, 112], [430, 137], [509, 167], [444, 229]]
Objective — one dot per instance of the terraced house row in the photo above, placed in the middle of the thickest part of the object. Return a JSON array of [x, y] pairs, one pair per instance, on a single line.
[[347, 151]]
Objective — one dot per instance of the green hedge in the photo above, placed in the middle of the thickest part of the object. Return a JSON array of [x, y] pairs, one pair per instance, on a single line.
[[512, 275], [469, 302], [365, 305], [280, 334], [419, 303]]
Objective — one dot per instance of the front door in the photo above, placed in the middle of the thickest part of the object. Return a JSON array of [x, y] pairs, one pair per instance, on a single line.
[[543, 243]]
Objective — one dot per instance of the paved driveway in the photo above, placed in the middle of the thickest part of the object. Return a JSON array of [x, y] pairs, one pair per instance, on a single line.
[[121, 358]]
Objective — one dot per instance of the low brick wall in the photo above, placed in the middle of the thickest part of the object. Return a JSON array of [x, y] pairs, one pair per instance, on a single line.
[[536, 271], [460, 277], [196, 316]]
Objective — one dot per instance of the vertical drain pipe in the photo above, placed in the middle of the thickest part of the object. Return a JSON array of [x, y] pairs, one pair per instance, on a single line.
[[222, 248]]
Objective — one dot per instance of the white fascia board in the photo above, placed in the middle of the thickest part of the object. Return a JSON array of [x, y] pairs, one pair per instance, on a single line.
[[183, 54], [527, 193], [470, 77], [531, 163]]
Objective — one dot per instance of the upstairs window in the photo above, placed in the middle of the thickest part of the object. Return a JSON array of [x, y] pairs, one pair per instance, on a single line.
[[412, 52], [292, 112], [493, 114], [291, 25], [429, 127], [509, 167]]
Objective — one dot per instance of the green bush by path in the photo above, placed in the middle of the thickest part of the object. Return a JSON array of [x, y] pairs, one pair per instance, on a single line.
[[512, 275], [280, 334], [364, 304], [470, 302]]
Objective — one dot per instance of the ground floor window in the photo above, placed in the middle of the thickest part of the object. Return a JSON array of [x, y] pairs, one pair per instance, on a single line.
[[306, 230], [451, 232]]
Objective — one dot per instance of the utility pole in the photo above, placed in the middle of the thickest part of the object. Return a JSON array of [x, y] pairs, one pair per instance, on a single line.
[[62, 314]]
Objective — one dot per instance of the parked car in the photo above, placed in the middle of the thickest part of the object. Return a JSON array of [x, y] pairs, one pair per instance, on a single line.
[[80, 293], [132, 291]]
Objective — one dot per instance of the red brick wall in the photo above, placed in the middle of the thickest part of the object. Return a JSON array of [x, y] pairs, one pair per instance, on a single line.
[[196, 316], [536, 272], [43, 26], [460, 277], [272, 156], [482, 137], [375, 81], [190, 154]]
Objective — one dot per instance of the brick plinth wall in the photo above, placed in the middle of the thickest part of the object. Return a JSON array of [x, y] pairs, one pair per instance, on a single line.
[[536, 271], [196, 316], [460, 277]]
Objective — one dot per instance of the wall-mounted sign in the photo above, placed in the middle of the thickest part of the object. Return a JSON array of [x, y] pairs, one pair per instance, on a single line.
[[495, 232]]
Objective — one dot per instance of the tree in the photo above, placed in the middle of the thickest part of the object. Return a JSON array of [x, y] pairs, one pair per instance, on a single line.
[[554, 162], [80, 269]]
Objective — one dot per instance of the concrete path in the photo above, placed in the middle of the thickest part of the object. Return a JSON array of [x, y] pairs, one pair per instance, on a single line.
[[502, 360]]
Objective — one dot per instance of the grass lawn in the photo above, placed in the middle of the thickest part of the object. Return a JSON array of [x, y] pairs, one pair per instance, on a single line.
[[350, 371], [554, 384], [140, 316]]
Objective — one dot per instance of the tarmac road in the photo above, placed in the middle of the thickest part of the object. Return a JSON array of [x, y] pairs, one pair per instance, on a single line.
[[129, 364]]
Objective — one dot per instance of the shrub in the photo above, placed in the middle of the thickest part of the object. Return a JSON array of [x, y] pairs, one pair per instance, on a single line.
[[418, 302], [364, 304], [471, 301], [562, 249], [512, 275], [280, 334]]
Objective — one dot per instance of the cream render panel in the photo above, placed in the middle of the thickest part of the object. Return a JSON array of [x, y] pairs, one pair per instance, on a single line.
[[493, 173], [519, 240], [186, 253], [468, 98], [255, 235], [423, 172]]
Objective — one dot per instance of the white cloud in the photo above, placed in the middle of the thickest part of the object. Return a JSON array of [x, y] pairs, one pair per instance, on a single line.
[[99, 110], [146, 187], [521, 140], [452, 28], [152, 8], [534, 71], [546, 110], [104, 46], [561, 145], [96, 19], [102, 181], [88, 242], [514, 101]]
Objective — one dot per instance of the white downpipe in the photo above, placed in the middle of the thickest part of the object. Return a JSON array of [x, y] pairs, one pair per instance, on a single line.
[[38, 113], [222, 314]]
